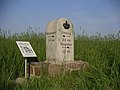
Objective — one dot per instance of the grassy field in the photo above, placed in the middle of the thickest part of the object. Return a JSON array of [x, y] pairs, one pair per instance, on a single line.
[[101, 52]]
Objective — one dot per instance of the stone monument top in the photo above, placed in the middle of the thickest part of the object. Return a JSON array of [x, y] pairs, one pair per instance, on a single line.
[[60, 41]]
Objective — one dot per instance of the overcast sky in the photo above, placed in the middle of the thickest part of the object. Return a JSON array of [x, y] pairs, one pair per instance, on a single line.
[[94, 16]]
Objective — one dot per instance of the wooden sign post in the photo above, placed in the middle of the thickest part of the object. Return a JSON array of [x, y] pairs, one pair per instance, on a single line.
[[27, 52]]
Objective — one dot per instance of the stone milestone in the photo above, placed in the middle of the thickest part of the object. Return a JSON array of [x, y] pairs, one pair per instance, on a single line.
[[59, 51], [60, 41]]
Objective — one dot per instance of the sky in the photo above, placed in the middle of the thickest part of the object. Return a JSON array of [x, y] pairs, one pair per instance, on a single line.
[[93, 16]]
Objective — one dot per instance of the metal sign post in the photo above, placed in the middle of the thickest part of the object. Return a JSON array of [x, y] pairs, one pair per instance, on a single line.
[[25, 68], [27, 52]]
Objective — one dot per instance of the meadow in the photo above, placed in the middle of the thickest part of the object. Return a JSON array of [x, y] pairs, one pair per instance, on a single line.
[[101, 52]]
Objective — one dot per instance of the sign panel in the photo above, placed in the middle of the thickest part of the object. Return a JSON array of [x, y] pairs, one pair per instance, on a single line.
[[26, 49]]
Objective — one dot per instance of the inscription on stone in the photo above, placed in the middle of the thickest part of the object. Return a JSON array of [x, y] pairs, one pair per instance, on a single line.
[[60, 41]]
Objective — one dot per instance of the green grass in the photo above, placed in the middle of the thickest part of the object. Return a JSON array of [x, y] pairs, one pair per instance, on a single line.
[[102, 54]]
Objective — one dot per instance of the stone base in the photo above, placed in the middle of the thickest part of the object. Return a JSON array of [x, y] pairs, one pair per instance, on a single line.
[[35, 69], [39, 68]]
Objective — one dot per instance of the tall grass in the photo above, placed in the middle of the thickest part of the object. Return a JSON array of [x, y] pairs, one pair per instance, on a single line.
[[101, 52]]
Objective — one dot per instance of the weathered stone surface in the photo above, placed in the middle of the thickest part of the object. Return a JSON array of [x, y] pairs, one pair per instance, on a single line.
[[35, 69], [40, 68], [59, 41], [18, 80], [54, 69], [76, 65]]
